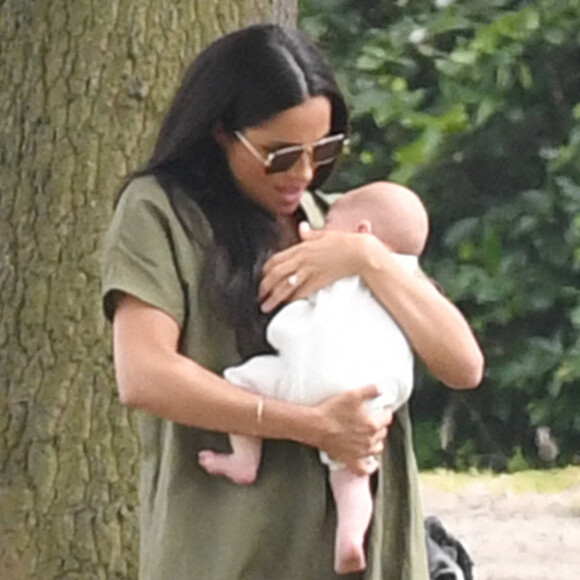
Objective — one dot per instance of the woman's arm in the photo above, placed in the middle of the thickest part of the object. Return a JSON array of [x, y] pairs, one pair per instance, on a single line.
[[154, 377], [436, 329]]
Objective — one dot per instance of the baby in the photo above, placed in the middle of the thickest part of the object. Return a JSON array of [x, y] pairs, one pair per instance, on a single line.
[[337, 339]]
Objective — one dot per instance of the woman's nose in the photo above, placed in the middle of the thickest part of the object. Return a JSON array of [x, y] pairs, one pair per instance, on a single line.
[[303, 169]]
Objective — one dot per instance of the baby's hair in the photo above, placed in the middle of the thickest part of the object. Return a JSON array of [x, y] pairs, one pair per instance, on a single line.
[[396, 214]]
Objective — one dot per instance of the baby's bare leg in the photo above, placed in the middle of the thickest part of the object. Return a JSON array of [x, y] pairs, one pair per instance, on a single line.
[[241, 465], [354, 506]]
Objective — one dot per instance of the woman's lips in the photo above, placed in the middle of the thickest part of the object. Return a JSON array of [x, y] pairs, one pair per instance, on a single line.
[[289, 196], [291, 192], [291, 189]]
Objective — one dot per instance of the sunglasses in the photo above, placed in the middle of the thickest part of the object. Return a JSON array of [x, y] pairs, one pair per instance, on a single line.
[[322, 152]]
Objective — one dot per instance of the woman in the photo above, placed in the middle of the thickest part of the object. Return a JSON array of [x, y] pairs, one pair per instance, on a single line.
[[203, 246]]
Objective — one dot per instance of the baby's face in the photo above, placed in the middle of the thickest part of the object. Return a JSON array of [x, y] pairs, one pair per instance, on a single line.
[[337, 220]]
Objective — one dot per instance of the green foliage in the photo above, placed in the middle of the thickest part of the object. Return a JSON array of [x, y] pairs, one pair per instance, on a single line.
[[517, 462], [467, 456], [476, 105], [427, 448]]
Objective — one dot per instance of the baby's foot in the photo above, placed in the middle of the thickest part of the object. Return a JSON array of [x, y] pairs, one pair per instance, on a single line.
[[227, 465], [349, 557], [349, 560]]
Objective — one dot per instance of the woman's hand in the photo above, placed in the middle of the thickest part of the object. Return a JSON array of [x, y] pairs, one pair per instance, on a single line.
[[320, 259], [349, 433]]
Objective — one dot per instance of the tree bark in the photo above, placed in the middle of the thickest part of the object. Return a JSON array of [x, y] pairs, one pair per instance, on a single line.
[[83, 85]]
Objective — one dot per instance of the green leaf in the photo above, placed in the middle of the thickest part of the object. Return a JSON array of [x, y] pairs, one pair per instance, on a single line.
[[463, 56], [485, 110], [492, 250], [525, 76], [421, 149]]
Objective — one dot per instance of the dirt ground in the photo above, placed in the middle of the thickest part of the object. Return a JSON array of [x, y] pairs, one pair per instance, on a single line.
[[512, 536]]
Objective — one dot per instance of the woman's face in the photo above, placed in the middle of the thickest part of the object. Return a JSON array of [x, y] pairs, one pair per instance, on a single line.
[[278, 193]]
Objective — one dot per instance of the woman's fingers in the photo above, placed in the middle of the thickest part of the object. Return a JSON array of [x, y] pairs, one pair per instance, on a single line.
[[378, 447], [363, 465], [280, 275], [321, 258], [279, 289], [289, 282], [282, 263], [383, 415], [355, 433], [368, 392], [380, 438]]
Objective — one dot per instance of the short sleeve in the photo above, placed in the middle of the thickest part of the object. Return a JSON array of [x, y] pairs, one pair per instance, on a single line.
[[139, 251]]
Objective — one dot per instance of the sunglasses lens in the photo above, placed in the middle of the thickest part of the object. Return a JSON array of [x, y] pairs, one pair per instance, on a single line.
[[327, 152], [283, 161], [322, 153]]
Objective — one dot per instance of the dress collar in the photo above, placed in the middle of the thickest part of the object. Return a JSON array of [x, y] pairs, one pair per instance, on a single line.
[[312, 206]]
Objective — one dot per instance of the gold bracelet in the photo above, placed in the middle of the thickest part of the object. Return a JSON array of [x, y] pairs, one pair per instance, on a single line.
[[260, 410]]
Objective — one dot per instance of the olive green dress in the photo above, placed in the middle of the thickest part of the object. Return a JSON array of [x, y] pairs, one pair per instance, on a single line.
[[198, 526]]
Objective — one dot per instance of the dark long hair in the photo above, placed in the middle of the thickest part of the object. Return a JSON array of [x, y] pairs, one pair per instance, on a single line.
[[239, 81]]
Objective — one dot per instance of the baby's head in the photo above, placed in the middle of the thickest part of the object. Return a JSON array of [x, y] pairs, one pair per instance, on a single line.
[[391, 212]]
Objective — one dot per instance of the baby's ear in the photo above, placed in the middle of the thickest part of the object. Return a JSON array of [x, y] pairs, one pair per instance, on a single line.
[[364, 227]]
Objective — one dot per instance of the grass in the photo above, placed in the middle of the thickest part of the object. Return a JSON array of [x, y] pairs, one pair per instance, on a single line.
[[531, 481]]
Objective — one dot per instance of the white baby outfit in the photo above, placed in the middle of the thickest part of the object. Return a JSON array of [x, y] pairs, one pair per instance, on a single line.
[[339, 338]]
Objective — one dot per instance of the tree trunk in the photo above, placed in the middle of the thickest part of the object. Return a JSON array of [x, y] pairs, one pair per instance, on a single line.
[[83, 85]]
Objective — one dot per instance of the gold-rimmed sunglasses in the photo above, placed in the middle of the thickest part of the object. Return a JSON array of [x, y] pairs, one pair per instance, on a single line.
[[321, 152]]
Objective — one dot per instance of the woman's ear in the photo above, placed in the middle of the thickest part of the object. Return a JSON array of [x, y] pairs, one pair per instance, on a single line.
[[364, 227]]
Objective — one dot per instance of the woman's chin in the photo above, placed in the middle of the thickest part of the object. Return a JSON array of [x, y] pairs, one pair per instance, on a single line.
[[288, 202]]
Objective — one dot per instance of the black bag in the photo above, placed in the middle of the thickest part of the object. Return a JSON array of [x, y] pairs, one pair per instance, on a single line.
[[448, 558]]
